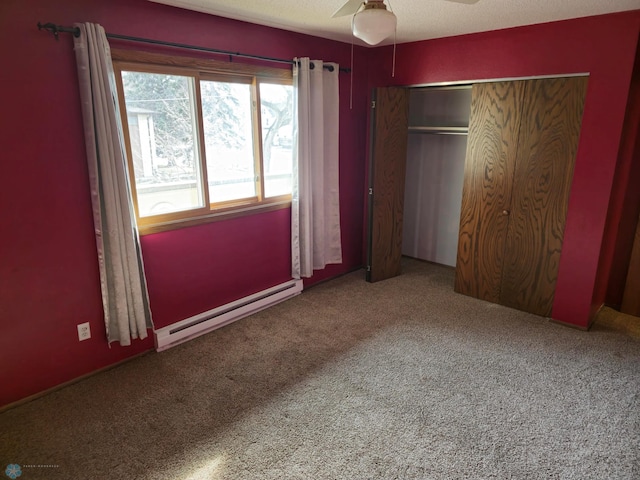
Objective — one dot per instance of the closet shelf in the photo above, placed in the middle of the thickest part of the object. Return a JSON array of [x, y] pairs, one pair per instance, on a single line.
[[440, 130]]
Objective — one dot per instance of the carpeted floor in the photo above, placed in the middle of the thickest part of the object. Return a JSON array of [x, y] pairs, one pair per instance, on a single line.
[[401, 379]]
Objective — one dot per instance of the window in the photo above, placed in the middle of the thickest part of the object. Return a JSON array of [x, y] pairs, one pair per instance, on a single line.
[[204, 139]]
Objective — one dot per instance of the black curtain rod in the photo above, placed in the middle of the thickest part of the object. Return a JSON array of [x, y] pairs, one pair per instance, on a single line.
[[57, 29]]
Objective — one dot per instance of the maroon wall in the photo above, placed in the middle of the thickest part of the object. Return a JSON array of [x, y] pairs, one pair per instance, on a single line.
[[625, 198], [48, 268], [603, 47]]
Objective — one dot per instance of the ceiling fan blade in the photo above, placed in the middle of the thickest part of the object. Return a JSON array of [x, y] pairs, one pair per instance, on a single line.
[[468, 2], [349, 8]]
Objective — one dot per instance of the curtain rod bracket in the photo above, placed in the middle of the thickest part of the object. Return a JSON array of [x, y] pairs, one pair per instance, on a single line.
[[56, 29]]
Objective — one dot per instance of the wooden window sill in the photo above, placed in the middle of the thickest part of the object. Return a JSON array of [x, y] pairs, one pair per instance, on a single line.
[[214, 216]]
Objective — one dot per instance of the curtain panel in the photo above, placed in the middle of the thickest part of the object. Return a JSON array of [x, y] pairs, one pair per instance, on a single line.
[[315, 205], [122, 281]]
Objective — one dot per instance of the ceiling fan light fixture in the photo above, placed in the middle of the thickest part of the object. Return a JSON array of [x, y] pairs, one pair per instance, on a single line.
[[374, 23]]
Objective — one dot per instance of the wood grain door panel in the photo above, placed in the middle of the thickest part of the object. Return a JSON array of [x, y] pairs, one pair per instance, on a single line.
[[547, 145], [631, 297], [486, 193], [386, 180]]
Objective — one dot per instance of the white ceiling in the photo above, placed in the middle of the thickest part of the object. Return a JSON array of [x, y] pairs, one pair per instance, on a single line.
[[417, 19]]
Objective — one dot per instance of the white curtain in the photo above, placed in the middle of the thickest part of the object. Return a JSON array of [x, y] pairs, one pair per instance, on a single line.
[[315, 205], [124, 291]]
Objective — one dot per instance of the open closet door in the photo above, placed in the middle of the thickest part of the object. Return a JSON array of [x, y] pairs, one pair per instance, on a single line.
[[388, 156]]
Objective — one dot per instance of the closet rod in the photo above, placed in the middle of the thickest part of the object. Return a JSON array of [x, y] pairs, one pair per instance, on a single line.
[[440, 130], [57, 29]]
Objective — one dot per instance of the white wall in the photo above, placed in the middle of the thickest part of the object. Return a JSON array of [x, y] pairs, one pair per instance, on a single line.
[[433, 195]]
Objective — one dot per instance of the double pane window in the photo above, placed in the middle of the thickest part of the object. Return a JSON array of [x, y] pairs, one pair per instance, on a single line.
[[204, 143]]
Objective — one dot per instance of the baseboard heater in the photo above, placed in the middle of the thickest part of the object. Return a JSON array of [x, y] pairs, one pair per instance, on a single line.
[[205, 322]]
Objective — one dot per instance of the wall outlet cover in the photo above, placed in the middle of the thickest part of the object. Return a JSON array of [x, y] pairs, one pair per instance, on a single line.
[[84, 331]]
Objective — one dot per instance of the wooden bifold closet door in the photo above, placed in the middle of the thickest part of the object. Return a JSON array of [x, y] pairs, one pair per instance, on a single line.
[[389, 124], [521, 149]]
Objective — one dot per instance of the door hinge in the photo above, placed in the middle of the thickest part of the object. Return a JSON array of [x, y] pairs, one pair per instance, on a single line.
[[370, 191], [368, 268], [373, 104]]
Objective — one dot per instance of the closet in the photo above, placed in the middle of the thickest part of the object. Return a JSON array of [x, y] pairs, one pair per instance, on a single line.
[[493, 202], [438, 126], [522, 143]]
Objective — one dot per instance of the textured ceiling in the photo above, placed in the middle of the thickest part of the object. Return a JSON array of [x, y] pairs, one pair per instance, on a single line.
[[417, 19]]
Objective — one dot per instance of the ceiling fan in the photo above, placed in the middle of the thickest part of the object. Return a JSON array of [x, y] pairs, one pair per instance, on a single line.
[[372, 22]]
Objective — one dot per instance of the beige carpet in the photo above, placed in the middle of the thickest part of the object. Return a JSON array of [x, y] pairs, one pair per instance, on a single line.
[[401, 379]]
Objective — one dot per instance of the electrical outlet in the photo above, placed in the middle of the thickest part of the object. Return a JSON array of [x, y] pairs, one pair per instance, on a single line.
[[84, 331]]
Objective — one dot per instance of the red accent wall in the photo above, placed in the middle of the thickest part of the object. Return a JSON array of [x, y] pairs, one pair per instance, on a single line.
[[625, 198], [48, 268], [604, 47]]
